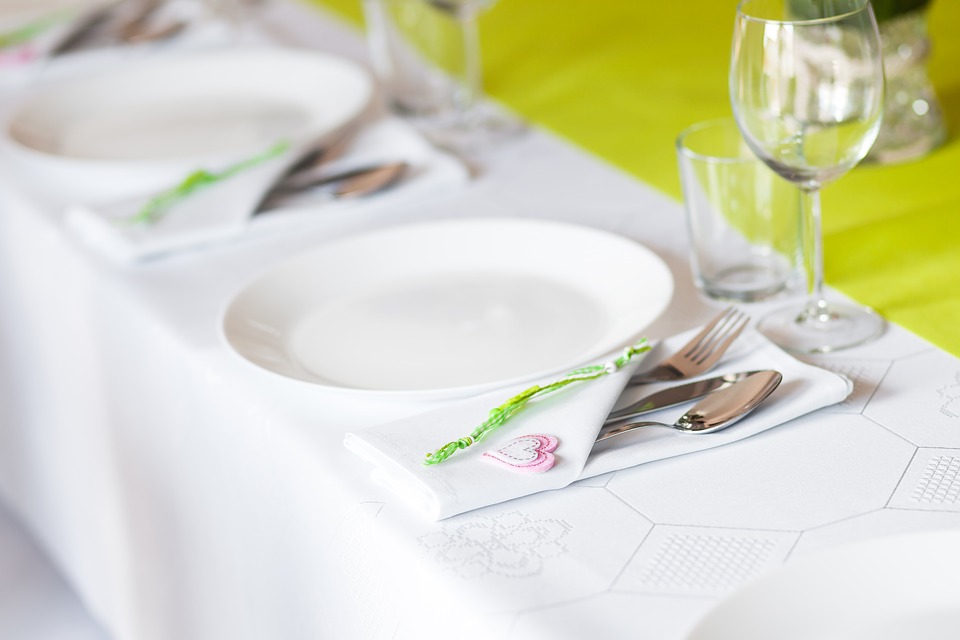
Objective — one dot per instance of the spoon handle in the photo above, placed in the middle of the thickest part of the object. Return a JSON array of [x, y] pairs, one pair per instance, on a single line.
[[718, 410], [346, 184], [627, 426]]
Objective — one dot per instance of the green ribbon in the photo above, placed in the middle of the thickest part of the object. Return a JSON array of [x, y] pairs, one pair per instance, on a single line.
[[159, 205], [499, 415], [29, 31]]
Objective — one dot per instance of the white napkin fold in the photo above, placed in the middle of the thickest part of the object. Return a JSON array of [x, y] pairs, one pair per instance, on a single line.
[[222, 211], [467, 480], [52, 29], [201, 27]]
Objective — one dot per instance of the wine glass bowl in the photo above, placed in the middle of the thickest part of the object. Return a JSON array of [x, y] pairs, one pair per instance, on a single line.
[[426, 54], [806, 86], [815, 119]]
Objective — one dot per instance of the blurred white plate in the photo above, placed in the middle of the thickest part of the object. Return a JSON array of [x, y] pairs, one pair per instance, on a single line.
[[448, 308], [146, 126], [890, 588]]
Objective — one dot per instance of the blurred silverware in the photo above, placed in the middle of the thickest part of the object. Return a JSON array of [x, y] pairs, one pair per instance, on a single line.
[[353, 183], [157, 34], [138, 21], [119, 23], [139, 27], [84, 27], [312, 164]]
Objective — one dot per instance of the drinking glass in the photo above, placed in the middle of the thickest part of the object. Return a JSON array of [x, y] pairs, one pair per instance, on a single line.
[[806, 85], [427, 55], [743, 219]]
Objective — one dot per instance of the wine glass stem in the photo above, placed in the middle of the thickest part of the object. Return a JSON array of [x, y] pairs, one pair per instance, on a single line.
[[813, 251], [472, 67]]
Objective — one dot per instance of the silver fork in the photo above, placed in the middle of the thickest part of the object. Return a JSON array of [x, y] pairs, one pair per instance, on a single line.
[[118, 22], [701, 352]]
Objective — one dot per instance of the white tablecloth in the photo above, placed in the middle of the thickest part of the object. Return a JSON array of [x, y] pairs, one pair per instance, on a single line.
[[187, 495]]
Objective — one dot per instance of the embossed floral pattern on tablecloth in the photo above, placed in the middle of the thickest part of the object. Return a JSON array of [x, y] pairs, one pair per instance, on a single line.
[[509, 544]]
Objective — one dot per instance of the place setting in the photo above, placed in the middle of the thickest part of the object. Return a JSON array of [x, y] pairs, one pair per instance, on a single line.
[[515, 330], [200, 148], [731, 384], [40, 30], [155, 158], [41, 37], [33, 30]]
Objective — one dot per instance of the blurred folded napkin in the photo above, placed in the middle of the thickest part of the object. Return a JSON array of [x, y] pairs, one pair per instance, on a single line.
[[468, 480], [34, 35], [38, 34], [223, 211]]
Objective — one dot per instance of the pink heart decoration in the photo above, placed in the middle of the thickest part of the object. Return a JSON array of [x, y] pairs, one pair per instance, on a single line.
[[526, 454]]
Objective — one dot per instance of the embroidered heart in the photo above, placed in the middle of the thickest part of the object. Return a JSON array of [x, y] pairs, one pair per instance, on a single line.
[[526, 454]]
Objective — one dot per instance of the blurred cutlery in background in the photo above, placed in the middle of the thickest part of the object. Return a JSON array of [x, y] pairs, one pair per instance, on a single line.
[[352, 183]]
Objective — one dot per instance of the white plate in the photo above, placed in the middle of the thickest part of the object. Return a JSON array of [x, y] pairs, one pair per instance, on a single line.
[[147, 125], [903, 586], [449, 308]]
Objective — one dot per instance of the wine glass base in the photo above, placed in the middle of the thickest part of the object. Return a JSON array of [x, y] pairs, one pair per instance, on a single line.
[[479, 129], [821, 329]]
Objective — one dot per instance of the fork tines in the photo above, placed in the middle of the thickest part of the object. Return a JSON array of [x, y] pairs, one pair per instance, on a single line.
[[725, 327], [701, 352]]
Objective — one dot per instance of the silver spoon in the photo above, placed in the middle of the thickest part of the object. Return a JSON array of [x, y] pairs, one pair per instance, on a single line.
[[84, 27], [353, 183], [118, 22], [373, 179], [137, 23], [157, 34], [311, 166], [717, 411]]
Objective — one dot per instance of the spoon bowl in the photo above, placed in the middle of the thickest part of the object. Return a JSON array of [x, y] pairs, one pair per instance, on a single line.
[[353, 183], [717, 411]]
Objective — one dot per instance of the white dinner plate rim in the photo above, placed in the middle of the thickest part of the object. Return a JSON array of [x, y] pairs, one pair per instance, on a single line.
[[16, 109], [664, 276]]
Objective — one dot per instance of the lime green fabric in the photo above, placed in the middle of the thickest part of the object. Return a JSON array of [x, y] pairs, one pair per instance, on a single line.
[[621, 78]]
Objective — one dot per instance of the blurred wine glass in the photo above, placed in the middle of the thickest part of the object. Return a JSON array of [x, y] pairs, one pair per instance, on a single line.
[[236, 13], [427, 56], [806, 85]]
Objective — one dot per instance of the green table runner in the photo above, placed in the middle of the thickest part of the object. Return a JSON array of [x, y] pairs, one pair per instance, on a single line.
[[621, 78]]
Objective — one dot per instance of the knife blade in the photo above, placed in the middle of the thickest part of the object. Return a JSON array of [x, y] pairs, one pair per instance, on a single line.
[[677, 395], [83, 27]]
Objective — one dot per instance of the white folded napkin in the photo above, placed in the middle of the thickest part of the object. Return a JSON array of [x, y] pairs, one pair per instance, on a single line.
[[46, 31], [222, 211], [470, 480], [34, 35]]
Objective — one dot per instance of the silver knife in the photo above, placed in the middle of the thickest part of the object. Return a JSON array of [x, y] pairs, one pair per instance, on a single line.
[[677, 395], [83, 27]]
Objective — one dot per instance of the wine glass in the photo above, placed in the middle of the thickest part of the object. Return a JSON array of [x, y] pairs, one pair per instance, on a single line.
[[427, 55], [806, 84]]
